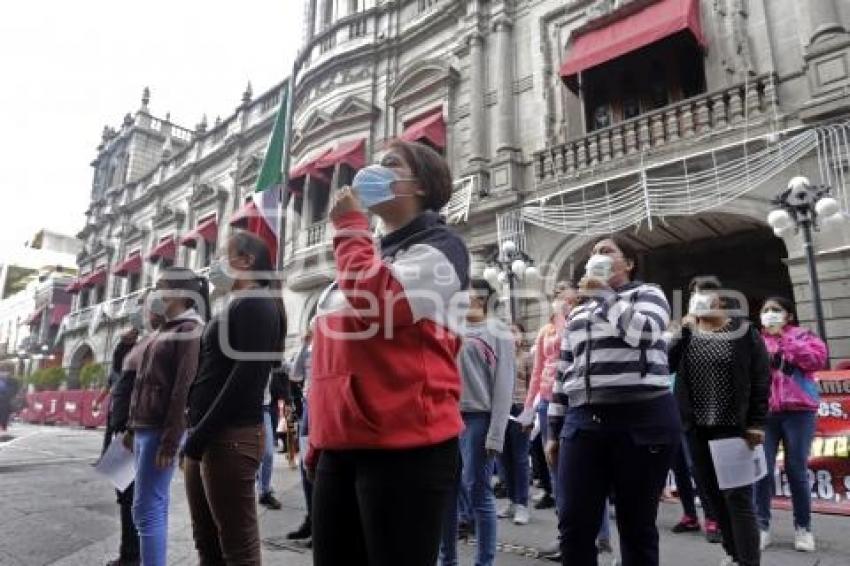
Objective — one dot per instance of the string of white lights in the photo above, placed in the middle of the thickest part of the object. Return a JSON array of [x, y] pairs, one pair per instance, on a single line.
[[694, 192]]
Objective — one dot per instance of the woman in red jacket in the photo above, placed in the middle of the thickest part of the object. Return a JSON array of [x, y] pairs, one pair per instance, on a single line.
[[385, 388]]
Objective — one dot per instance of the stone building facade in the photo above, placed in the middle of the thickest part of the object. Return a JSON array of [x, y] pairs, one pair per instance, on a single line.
[[676, 135]]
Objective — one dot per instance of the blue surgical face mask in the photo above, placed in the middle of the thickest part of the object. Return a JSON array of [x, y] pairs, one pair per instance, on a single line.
[[158, 305], [136, 320], [220, 278], [374, 185]]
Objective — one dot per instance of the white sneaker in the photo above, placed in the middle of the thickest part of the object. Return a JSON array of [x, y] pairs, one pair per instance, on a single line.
[[764, 539], [506, 511], [804, 541], [521, 515], [728, 561]]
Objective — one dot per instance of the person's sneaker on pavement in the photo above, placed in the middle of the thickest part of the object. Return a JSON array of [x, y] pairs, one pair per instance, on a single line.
[[521, 515], [506, 511], [764, 539], [465, 530], [603, 545], [269, 501], [551, 552], [804, 541], [728, 561], [712, 532], [303, 532], [686, 524], [546, 502]]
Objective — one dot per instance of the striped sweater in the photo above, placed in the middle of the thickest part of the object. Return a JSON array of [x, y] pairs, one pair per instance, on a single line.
[[613, 351]]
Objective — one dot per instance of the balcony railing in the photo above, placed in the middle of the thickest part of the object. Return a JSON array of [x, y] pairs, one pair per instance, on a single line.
[[316, 234], [79, 319], [689, 119], [114, 309]]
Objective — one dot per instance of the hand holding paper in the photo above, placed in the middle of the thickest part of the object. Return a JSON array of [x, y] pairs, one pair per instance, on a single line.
[[117, 464], [736, 464]]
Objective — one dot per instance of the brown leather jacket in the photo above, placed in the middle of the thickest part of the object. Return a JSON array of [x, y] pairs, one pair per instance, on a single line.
[[167, 369]]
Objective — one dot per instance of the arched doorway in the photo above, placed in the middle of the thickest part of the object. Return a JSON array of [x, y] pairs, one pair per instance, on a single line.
[[84, 354], [741, 251]]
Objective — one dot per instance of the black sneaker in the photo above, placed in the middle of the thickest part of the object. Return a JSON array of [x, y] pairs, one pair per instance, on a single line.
[[270, 501], [465, 530], [546, 502], [551, 552], [305, 531]]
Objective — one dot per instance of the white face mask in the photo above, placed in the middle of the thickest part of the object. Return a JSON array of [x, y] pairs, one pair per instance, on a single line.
[[700, 305], [599, 266], [772, 319]]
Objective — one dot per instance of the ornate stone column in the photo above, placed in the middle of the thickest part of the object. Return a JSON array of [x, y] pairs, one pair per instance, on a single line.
[[503, 130], [477, 128], [826, 59]]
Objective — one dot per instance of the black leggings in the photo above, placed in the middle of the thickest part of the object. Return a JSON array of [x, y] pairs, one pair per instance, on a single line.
[[734, 508], [382, 507]]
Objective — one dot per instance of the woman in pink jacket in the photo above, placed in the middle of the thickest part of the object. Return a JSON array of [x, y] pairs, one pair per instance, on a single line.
[[795, 353], [547, 355]]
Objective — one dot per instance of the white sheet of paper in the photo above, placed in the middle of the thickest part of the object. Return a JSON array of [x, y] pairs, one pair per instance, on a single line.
[[117, 464], [735, 464], [525, 418]]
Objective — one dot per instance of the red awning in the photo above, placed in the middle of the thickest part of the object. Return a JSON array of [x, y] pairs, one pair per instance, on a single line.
[[241, 216], [35, 317], [166, 248], [206, 230], [298, 174], [75, 285], [647, 25], [58, 313], [431, 128], [351, 153], [95, 278], [133, 264]]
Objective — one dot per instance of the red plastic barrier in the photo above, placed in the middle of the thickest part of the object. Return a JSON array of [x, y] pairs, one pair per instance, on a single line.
[[89, 417], [54, 407], [829, 464], [34, 411], [73, 408]]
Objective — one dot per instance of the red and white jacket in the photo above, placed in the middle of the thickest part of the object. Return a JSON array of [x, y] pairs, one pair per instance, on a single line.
[[386, 337]]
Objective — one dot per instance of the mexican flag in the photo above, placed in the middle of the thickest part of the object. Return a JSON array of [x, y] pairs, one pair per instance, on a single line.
[[262, 215]]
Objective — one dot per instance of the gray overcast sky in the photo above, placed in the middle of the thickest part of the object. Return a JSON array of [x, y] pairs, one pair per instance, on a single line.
[[70, 67]]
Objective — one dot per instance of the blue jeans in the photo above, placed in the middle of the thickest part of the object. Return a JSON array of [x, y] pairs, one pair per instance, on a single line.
[[264, 475], [303, 444], [513, 462], [796, 430], [475, 477], [152, 497]]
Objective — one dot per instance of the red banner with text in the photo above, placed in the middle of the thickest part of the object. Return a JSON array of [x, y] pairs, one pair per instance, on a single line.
[[829, 463]]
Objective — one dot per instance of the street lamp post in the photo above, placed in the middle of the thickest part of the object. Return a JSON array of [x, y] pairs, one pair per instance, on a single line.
[[510, 265], [798, 208]]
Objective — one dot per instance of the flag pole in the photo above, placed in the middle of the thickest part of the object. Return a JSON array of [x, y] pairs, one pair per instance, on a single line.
[[283, 203]]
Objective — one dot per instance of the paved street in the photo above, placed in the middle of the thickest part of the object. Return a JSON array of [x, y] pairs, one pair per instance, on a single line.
[[54, 510]]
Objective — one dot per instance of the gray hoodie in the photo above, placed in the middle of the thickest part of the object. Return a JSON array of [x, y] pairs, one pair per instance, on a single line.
[[488, 369]]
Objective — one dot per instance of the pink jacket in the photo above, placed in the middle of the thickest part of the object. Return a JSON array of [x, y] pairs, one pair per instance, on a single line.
[[547, 354], [799, 347]]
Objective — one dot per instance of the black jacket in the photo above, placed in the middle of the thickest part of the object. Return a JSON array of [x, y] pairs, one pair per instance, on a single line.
[[752, 376]]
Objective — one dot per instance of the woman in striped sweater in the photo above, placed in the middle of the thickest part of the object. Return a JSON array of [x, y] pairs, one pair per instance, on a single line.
[[622, 427]]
